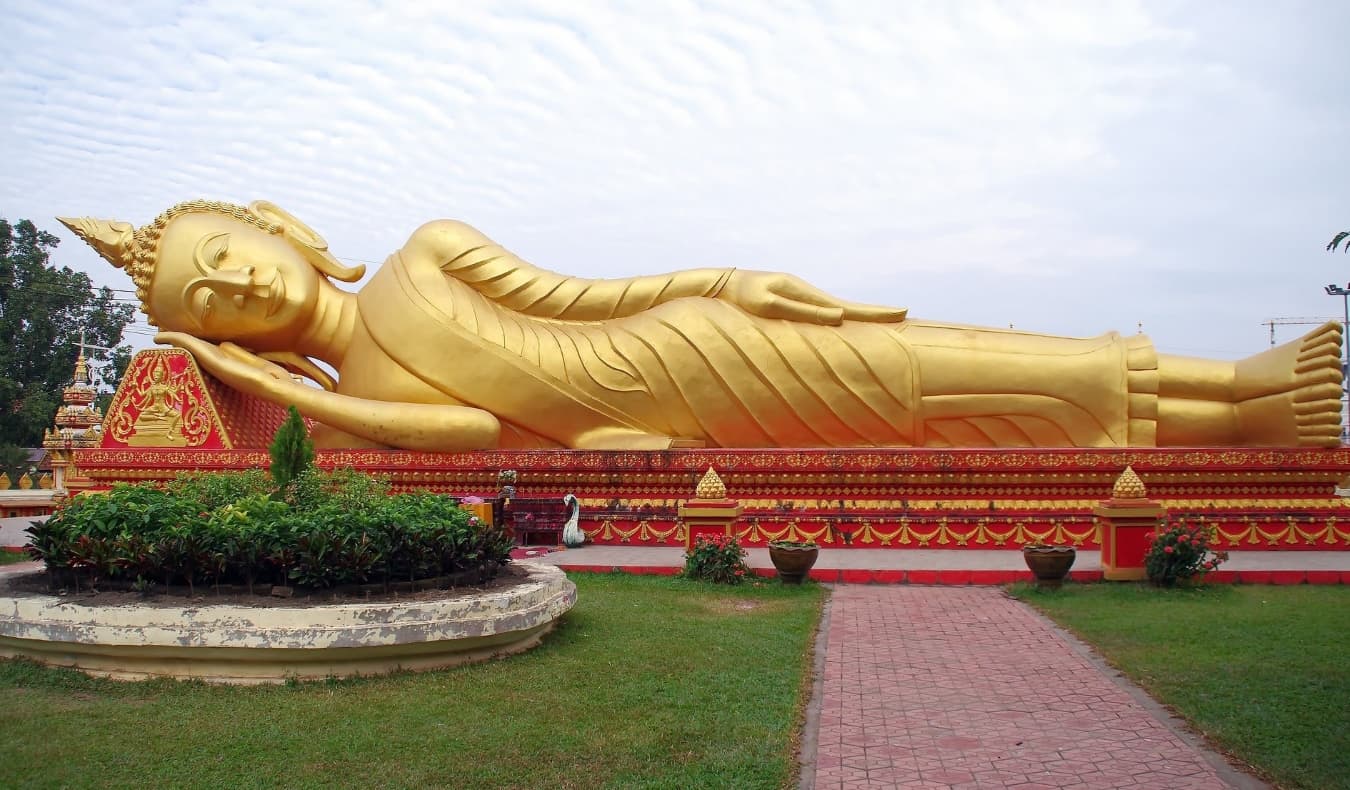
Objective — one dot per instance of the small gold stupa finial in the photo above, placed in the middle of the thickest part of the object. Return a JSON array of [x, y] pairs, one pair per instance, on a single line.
[[81, 369], [1128, 485], [711, 486]]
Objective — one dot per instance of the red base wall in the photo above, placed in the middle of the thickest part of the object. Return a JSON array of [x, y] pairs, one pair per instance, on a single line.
[[892, 498]]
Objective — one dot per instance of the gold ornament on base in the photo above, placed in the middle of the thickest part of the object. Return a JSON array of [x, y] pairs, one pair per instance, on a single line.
[[1128, 485], [710, 486]]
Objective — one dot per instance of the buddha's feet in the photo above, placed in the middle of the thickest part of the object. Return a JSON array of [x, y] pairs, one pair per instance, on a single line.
[[1291, 395]]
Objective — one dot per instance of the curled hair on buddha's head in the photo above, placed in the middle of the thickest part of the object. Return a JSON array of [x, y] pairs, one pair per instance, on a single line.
[[136, 250]]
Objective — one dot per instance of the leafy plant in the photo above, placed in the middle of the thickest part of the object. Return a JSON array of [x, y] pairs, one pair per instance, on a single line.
[[291, 450], [793, 544], [339, 528], [212, 490], [718, 559], [1179, 552]]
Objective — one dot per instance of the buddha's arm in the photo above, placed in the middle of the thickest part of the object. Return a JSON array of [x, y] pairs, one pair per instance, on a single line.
[[466, 254], [411, 426], [469, 256]]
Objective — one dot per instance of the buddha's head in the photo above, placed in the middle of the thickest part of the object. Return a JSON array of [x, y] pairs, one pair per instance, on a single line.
[[222, 272]]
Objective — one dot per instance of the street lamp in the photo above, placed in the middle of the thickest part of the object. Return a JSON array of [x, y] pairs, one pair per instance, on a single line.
[[1335, 290]]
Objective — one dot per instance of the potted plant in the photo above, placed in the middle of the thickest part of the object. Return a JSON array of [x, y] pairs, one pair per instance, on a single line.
[[1049, 564], [793, 558]]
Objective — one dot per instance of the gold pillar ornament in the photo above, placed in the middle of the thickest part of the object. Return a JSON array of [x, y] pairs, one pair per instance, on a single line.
[[710, 513], [1125, 523], [710, 486], [457, 344], [1128, 485]]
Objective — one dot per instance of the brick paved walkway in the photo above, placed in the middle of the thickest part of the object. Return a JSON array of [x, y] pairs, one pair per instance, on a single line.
[[962, 687]]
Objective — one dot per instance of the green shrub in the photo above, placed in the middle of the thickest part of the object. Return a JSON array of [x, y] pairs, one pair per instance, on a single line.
[[717, 559], [213, 490], [291, 450], [340, 528]]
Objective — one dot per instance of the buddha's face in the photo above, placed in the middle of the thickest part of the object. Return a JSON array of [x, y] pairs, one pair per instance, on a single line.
[[222, 279]]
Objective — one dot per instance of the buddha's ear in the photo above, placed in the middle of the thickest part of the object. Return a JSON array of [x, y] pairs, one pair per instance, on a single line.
[[314, 246]]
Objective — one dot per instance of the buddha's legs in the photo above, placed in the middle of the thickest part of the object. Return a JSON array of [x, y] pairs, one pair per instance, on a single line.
[[1287, 396]]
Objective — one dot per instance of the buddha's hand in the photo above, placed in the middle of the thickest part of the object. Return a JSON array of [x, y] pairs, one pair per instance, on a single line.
[[235, 366], [775, 295]]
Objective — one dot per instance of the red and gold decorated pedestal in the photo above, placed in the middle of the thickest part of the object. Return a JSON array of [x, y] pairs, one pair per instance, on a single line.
[[1126, 521], [709, 513], [166, 401]]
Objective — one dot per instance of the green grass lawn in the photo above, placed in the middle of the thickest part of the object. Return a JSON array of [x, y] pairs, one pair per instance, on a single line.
[[1263, 671], [11, 557], [648, 682]]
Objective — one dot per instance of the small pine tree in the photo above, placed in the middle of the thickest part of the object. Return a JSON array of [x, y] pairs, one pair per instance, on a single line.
[[292, 452]]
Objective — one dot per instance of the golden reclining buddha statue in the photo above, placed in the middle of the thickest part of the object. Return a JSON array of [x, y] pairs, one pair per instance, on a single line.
[[456, 344]]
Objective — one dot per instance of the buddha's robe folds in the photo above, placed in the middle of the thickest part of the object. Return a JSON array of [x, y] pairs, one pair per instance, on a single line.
[[560, 359]]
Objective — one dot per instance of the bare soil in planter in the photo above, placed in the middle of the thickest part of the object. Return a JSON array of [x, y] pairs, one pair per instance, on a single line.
[[176, 596]]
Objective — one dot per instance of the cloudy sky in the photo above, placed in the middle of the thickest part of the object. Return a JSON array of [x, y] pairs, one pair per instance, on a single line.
[[1064, 168]]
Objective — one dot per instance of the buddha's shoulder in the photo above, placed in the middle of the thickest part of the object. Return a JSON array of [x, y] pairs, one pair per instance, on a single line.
[[442, 239]]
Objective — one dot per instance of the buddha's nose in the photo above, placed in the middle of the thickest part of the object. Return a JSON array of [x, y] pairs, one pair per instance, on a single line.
[[233, 281]]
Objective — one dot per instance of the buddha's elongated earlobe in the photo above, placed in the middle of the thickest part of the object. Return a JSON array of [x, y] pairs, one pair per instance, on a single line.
[[313, 245]]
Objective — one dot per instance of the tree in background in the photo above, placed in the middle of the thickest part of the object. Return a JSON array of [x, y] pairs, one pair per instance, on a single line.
[[1337, 239], [291, 450], [13, 462], [42, 311]]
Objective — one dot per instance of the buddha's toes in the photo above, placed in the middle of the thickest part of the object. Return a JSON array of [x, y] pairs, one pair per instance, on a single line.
[[1292, 393]]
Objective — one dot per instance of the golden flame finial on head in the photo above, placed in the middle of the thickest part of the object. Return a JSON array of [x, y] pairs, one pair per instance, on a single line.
[[711, 486], [114, 240], [1128, 485]]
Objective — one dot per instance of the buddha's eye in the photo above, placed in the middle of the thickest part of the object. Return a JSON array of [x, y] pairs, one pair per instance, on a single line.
[[211, 252]]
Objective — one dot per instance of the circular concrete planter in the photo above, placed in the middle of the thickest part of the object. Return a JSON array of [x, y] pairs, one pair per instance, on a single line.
[[240, 644]]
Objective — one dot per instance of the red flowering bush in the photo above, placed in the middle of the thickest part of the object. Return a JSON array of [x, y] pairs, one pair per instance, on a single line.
[[1180, 551], [719, 559]]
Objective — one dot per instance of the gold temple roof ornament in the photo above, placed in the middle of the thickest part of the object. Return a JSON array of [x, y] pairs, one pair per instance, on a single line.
[[1128, 485], [710, 486], [457, 344], [78, 421]]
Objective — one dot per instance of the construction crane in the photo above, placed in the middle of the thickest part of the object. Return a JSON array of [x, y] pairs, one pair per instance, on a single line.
[[1297, 321]]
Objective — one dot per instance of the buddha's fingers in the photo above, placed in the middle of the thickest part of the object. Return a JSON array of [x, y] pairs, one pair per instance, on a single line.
[[1329, 329], [1325, 348], [1319, 418], [249, 358], [1319, 435], [1319, 393], [1314, 372], [802, 312], [854, 311]]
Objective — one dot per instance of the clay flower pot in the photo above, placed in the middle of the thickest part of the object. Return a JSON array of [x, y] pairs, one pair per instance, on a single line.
[[792, 559], [1049, 564]]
